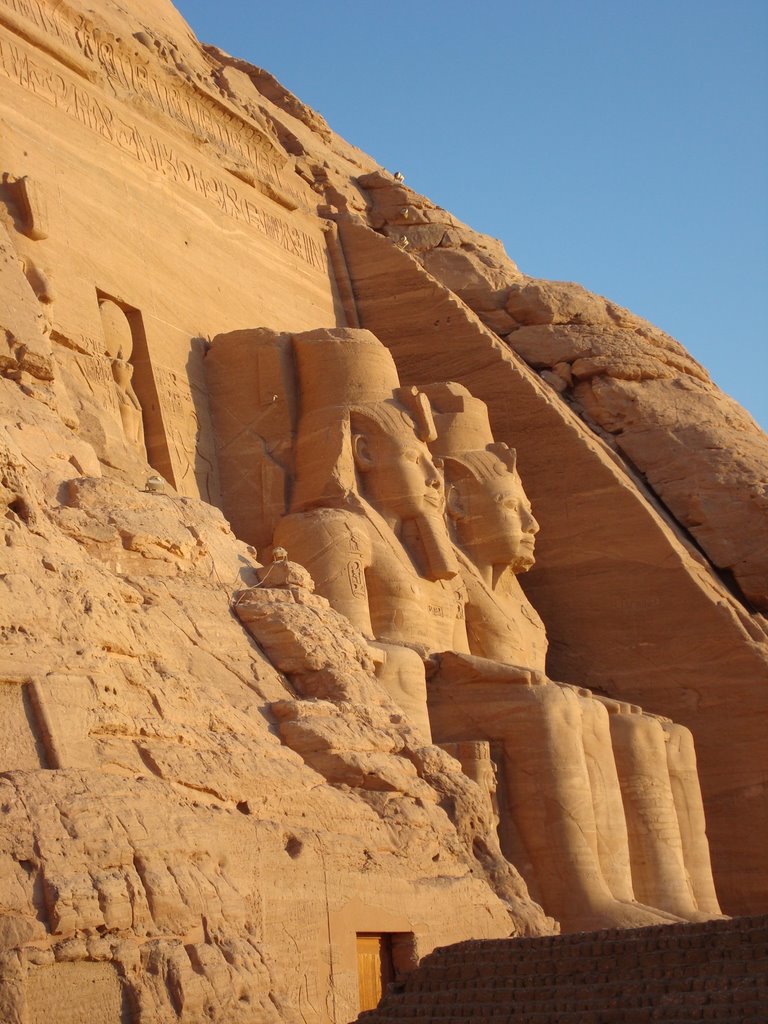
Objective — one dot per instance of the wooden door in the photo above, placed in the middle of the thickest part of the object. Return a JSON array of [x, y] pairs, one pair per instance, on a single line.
[[374, 968]]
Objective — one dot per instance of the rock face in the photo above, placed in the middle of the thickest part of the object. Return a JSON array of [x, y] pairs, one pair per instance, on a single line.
[[216, 781], [702, 455], [174, 816], [597, 803]]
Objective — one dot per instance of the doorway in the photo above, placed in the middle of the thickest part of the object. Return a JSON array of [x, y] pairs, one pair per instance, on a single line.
[[375, 969]]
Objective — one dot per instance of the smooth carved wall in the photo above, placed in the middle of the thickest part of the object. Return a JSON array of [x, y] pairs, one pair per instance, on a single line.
[[144, 189]]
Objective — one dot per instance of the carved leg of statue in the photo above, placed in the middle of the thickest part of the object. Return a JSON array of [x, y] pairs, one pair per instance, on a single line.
[[686, 791], [659, 875], [612, 838], [549, 797], [548, 791], [133, 427], [401, 672]]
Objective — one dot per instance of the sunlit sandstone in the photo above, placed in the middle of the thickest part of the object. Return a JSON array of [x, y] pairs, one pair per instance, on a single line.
[[216, 785], [372, 533], [626, 839]]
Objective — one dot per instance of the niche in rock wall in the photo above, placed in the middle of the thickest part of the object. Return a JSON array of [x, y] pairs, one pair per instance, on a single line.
[[26, 204], [22, 749], [135, 387]]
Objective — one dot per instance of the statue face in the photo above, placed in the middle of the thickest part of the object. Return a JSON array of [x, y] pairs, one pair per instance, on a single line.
[[398, 473], [496, 519]]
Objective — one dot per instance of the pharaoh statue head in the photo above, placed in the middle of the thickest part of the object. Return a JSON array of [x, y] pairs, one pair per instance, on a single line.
[[362, 440], [492, 516]]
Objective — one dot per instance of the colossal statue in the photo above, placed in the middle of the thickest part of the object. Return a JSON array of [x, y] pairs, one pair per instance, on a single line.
[[368, 509], [644, 833], [367, 520]]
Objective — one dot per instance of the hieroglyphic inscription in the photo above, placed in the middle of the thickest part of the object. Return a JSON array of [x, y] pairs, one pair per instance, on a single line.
[[88, 358], [254, 915], [440, 612], [199, 113], [97, 376], [34, 12], [57, 88], [356, 574], [76, 340]]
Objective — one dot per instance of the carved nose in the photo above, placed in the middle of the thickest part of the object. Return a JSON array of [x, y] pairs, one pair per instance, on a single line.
[[529, 524], [433, 477]]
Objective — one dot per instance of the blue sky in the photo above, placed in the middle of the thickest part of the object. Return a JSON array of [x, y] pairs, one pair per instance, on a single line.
[[621, 145]]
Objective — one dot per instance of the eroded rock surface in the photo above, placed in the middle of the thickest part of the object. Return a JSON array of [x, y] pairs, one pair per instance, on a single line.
[[202, 806], [170, 805], [699, 451]]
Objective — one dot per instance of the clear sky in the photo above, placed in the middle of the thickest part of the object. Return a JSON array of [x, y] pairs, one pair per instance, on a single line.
[[617, 143]]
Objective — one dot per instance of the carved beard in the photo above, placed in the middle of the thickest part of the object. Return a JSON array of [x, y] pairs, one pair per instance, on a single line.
[[521, 563], [430, 546]]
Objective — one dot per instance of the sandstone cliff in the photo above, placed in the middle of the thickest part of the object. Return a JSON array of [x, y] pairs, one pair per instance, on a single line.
[[196, 823], [175, 815]]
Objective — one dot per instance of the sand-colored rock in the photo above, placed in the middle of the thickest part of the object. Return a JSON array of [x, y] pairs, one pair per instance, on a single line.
[[366, 517], [698, 450], [632, 609], [602, 763], [203, 805], [147, 816], [349, 730]]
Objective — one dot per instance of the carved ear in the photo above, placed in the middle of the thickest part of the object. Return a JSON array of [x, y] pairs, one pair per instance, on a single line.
[[361, 452], [454, 504]]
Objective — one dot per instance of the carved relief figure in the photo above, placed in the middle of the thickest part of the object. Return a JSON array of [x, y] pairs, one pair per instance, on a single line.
[[119, 347], [623, 825]]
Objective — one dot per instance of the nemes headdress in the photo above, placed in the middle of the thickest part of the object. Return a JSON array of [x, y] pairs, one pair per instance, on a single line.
[[464, 440], [348, 384], [345, 377]]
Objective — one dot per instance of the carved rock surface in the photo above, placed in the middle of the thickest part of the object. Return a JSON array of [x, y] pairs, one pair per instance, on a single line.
[[698, 450], [153, 824], [193, 826]]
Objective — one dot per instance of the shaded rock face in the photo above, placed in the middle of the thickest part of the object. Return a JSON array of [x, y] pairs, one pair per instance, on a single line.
[[206, 796], [702, 455]]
